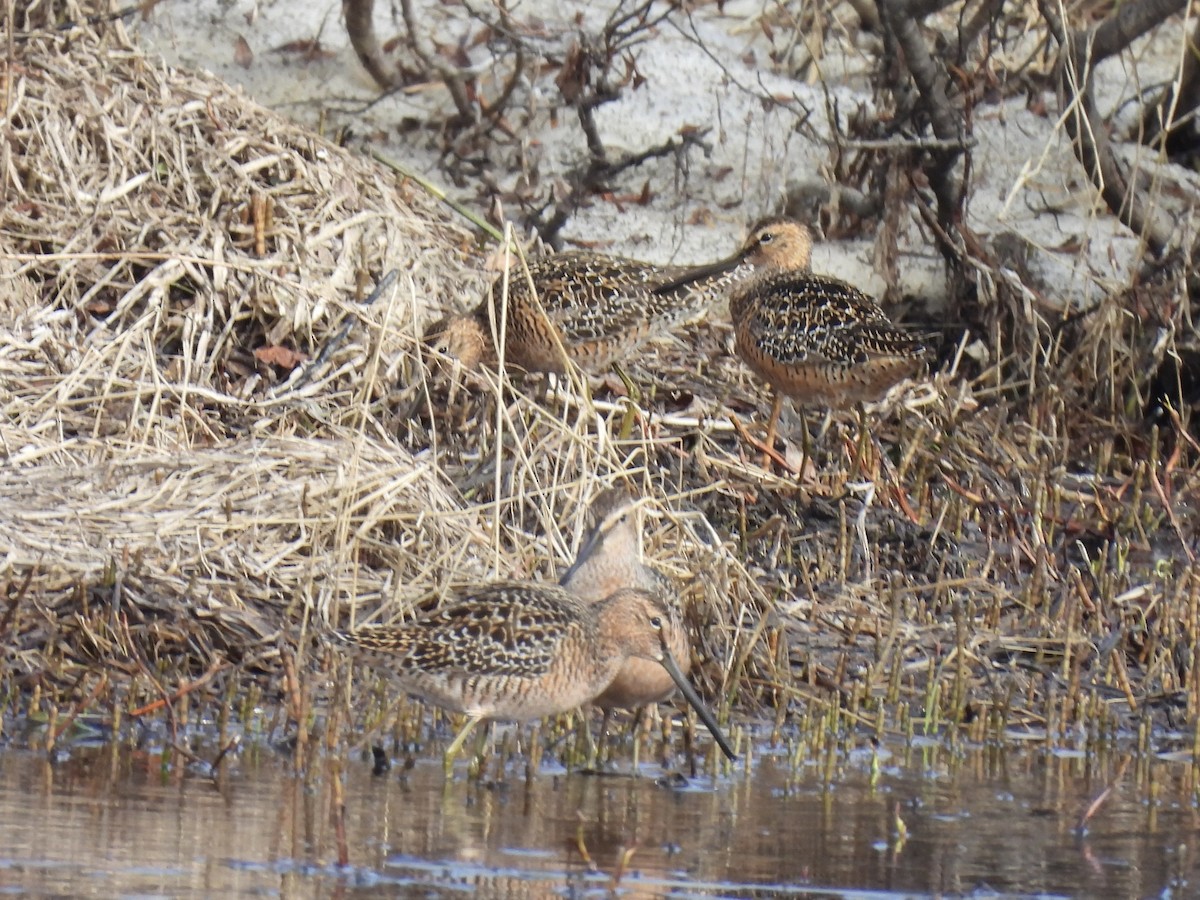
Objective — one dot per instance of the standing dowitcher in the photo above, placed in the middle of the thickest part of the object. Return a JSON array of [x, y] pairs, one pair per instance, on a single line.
[[811, 337], [521, 651], [610, 558], [587, 307]]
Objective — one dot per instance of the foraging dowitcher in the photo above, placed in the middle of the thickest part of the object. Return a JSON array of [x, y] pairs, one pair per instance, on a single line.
[[610, 558], [520, 651], [811, 337], [585, 306]]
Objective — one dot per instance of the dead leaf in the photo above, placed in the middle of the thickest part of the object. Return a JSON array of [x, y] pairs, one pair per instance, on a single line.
[[275, 355], [573, 76], [242, 54], [1071, 245], [309, 49]]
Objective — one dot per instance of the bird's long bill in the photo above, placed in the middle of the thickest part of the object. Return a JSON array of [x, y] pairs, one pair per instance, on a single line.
[[699, 273], [591, 545], [685, 688]]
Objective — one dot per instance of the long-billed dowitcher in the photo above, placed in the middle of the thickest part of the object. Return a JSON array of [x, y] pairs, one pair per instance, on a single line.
[[811, 337], [611, 558], [587, 307], [521, 651]]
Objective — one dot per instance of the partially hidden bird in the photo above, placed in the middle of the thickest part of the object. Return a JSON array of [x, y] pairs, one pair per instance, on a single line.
[[586, 307], [610, 557]]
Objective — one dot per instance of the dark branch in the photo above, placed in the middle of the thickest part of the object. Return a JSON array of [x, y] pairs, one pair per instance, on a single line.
[[1165, 119], [360, 26], [931, 81], [1079, 52], [971, 28], [452, 77], [597, 172], [920, 9], [1128, 23]]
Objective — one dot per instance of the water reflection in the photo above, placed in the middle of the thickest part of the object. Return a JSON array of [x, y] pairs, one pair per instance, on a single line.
[[109, 821]]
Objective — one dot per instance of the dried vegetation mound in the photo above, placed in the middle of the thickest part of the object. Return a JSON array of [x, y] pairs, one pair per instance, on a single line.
[[170, 253]]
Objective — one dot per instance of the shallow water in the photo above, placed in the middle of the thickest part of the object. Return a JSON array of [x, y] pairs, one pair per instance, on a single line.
[[111, 823]]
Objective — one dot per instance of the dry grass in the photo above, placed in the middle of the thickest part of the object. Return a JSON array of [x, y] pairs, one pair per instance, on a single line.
[[177, 509]]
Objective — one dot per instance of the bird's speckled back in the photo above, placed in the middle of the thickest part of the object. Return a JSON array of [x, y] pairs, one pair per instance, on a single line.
[[815, 337], [589, 307], [516, 650]]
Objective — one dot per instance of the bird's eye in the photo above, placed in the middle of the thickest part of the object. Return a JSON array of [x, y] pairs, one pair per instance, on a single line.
[[766, 237]]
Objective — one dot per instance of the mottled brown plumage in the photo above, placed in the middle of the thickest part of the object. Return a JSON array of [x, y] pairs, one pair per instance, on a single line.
[[521, 651], [587, 307], [813, 338], [610, 558], [820, 340]]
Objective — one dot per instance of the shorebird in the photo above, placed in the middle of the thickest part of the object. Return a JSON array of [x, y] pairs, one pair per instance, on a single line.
[[520, 651], [610, 558], [587, 307], [812, 337]]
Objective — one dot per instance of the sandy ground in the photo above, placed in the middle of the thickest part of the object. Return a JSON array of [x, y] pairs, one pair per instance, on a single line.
[[705, 68]]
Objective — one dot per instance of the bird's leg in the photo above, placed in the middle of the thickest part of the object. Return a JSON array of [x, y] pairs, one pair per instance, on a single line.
[[634, 396], [860, 521], [592, 748], [604, 752], [754, 442], [479, 755], [776, 408], [534, 754], [457, 743], [806, 445], [864, 441], [637, 737], [825, 423]]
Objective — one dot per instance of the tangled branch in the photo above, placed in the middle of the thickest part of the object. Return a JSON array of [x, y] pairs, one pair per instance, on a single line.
[[1079, 53]]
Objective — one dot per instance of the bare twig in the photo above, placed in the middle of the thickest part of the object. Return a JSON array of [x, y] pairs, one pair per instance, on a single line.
[[670, 147], [931, 81], [1163, 120], [903, 143], [598, 171], [587, 121], [586, 81], [1079, 53], [920, 9], [1128, 23], [360, 26], [454, 78], [970, 28], [167, 700]]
